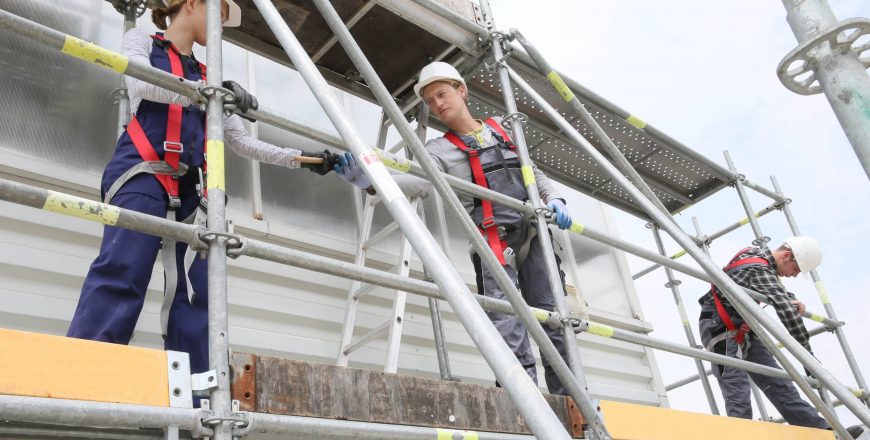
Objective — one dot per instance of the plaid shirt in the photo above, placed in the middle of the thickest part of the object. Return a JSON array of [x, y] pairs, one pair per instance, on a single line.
[[764, 280]]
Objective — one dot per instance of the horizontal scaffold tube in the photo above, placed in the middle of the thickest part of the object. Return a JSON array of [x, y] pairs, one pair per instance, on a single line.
[[697, 353], [711, 237], [814, 332], [114, 216]]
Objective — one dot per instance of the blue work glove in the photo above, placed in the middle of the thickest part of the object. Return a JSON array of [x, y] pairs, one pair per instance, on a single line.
[[350, 172], [563, 217]]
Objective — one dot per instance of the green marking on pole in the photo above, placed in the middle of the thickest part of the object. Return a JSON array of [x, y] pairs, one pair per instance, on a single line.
[[541, 315], [823, 293], [82, 208], [560, 86], [817, 318], [577, 228], [452, 434], [678, 254], [637, 122], [600, 329]]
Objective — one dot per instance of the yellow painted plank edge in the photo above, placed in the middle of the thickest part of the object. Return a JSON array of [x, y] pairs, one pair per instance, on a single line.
[[627, 421], [40, 365]]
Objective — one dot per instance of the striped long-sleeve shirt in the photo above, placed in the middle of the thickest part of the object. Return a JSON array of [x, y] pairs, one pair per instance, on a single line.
[[764, 280]]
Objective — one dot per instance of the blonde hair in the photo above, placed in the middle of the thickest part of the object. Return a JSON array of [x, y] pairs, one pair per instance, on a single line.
[[159, 15]]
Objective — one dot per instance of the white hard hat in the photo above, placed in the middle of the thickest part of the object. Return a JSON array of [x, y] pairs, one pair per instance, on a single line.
[[234, 15], [437, 71], [807, 252]]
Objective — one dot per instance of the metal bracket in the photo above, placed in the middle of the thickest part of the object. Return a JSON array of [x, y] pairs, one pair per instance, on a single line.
[[796, 71], [237, 251], [575, 321], [228, 98], [761, 240], [123, 5], [201, 382], [233, 241], [117, 94], [673, 283], [507, 121], [178, 367]]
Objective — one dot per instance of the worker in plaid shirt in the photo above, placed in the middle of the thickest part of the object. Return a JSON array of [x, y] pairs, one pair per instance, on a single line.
[[723, 331]]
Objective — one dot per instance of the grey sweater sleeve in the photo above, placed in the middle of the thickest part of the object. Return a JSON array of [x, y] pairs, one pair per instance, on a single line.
[[546, 188]]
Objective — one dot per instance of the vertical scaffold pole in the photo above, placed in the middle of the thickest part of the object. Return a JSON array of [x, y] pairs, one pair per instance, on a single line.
[[480, 246], [823, 295], [673, 284], [218, 338], [744, 304], [524, 393], [131, 11], [543, 236], [841, 74], [434, 307], [760, 239]]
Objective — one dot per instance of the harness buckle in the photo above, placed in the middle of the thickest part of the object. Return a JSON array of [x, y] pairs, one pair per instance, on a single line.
[[174, 202], [487, 223], [173, 147]]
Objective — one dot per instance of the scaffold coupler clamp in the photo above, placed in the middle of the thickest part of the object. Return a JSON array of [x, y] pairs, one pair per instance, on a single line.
[[763, 240], [116, 95], [122, 6], [240, 420], [673, 283], [226, 95], [575, 321], [232, 241]]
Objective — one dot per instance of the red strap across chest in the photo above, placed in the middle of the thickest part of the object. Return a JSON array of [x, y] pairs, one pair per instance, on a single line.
[[488, 225], [733, 266]]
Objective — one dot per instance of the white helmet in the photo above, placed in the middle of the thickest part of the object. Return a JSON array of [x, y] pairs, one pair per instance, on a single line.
[[234, 15], [437, 71], [807, 252]]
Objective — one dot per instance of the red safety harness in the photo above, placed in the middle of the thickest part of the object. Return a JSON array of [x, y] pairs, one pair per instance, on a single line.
[[488, 227], [172, 146], [733, 266]]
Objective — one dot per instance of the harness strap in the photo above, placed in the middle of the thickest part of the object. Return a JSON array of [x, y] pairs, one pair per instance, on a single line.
[[733, 266]]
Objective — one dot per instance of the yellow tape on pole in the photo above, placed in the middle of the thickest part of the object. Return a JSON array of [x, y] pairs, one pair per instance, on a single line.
[[600, 329], [541, 315], [823, 293], [817, 318], [577, 228], [678, 254], [637, 122], [216, 167], [82, 208], [401, 165], [94, 54], [743, 221], [528, 175], [560, 86]]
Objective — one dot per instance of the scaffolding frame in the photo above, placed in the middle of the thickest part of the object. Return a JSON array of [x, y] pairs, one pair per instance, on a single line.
[[222, 421]]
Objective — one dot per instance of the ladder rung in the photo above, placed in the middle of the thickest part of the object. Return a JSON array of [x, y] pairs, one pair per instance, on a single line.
[[372, 334], [380, 235], [363, 291]]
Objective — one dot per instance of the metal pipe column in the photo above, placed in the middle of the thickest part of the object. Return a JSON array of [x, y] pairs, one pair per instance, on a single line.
[[256, 181], [823, 295], [131, 12], [576, 390], [761, 240], [531, 405], [840, 73], [684, 317], [749, 310], [544, 238], [218, 339], [434, 307]]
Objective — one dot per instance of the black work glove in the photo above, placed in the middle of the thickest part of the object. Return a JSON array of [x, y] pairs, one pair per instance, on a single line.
[[329, 161], [243, 100]]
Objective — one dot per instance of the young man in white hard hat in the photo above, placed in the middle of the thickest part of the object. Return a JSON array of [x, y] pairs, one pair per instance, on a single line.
[[723, 330], [480, 151]]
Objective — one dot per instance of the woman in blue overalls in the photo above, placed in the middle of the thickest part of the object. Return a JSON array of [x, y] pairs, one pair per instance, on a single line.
[[157, 169]]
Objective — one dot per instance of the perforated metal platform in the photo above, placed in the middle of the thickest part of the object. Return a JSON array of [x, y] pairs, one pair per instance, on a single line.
[[401, 36]]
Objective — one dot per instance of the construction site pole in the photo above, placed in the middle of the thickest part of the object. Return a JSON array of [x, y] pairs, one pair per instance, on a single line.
[[826, 49], [256, 181], [673, 284], [218, 338], [760, 239], [577, 391], [823, 295], [524, 393], [543, 236], [131, 9], [749, 310]]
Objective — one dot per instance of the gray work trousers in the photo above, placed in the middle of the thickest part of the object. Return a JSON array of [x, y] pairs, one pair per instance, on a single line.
[[534, 284], [734, 382]]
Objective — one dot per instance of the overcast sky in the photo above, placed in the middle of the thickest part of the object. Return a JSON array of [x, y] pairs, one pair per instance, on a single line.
[[704, 72]]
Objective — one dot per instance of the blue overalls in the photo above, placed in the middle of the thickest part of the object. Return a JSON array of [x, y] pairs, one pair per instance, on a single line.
[[114, 290]]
